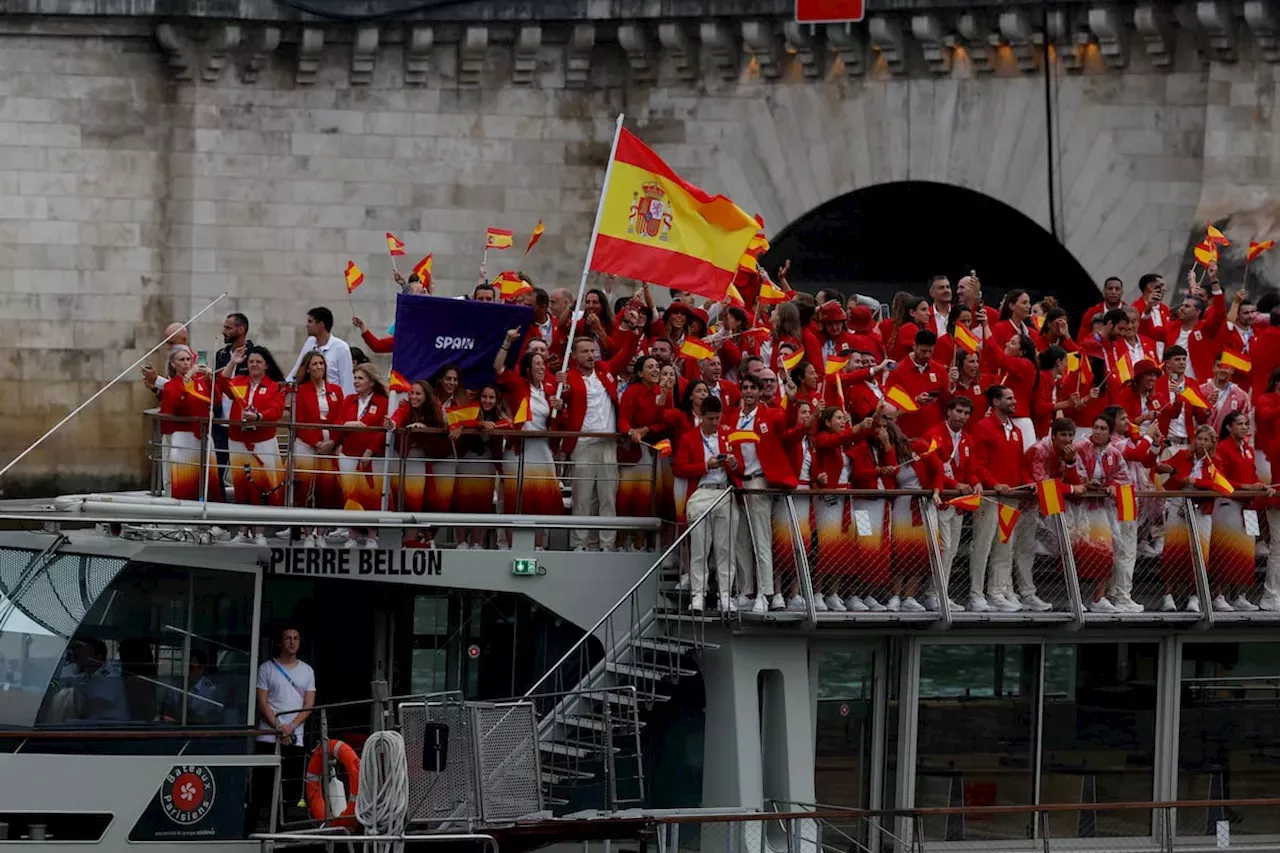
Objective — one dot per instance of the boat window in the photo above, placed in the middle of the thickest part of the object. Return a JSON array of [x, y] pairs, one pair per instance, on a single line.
[[157, 646], [842, 763], [43, 600]]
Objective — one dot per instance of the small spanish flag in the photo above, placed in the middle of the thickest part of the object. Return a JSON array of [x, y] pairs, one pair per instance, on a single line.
[[522, 413], [738, 436], [771, 294], [355, 278], [538, 231], [758, 246], [1256, 249], [464, 416], [1218, 482], [758, 334], [696, 349], [965, 339], [1126, 503], [193, 390], [792, 360], [966, 503], [931, 449], [836, 363], [1231, 359], [1192, 396], [422, 269], [749, 263], [498, 238], [398, 382], [1214, 237], [1124, 367], [241, 392], [1050, 494], [510, 285], [1205, 253], [734, 297], [663, 447], [1037, 322], [1008, 520], [901, 399], [394, 246]]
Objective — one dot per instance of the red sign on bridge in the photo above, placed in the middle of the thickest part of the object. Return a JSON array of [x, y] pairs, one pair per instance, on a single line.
[[829, 11]]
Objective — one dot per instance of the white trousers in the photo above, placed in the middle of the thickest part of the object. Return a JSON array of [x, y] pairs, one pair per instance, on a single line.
[[1124, 548], [595, 487], [950, 524], [1020, 547], [710, 540], [753, 536], [1271, 583]]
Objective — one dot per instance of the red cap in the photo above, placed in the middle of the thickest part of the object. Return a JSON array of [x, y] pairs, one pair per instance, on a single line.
[[861, 319]]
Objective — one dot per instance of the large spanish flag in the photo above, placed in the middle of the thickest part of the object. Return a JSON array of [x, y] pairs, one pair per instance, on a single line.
[[659, 228]]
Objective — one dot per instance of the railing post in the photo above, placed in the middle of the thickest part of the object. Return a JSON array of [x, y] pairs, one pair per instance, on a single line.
[[803, 573], [404, 469], [206, 438], [157, 458], [324, 762], [1198, 566], [610, 767], [929, 515], [519, 507], [291, 437], [1069, 576], [1044, 830]]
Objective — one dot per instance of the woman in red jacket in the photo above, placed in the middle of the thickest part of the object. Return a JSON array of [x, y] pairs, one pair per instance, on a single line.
[[318, 401], [254, 454], [360, 462], [479, 453], [187, 394], [969, 382], [1014, 365], [921, 468], [798, 443], [645, 416], [831, 466], [528, 465], [1232, 551], [447, 384], [914, 314], [1051, 400], [421, 411], [1189, 468]]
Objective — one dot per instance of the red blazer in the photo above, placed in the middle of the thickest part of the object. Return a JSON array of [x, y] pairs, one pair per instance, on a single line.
[[378, 344], [1017, 374], [1044, 463], [770, 425], [1236, 463], [1086, 322], [859, 399], [516, 392], [434, 445], [639, 408], [1120, 346], [1174, 406], [898, 343], [1202, 343], [977, 396], [555, 346], [956, 467], [1068, 345], [575, 391], [867, 455], [356, 443], [690, 463], [306, 410], [1182, 464], [828, 456], [175, 399], [999, 459], [795, 441], [729, 394], [268, 401], [1146, 325], [915, 381], [1003, 330], [1128, 397], [1266, 416]]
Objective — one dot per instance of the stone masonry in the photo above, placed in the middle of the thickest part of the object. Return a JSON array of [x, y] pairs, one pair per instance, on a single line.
[[148, 165]]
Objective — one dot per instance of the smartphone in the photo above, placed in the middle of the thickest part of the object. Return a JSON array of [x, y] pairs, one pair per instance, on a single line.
[[202, 358]]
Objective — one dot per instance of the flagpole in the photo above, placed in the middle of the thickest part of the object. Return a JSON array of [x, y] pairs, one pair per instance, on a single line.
[[208, 442], [104, 388], [577, 312]]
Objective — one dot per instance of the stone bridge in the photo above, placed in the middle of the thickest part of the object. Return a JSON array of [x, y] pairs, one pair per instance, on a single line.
[[154, 154]]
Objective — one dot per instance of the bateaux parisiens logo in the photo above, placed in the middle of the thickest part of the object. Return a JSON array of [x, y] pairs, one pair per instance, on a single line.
[[187, 794], [651, 213]]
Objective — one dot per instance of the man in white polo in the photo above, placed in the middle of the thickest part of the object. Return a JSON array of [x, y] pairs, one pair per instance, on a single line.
[[286, 693]]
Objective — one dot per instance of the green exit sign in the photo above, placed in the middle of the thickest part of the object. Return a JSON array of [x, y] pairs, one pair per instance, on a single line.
[[524, 566]]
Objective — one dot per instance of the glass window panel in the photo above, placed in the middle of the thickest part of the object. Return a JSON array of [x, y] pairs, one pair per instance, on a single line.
[[976, 738], [429, 671], [431, 614], [1228, 735], [842, 763], [1099, 727], [222, 664]]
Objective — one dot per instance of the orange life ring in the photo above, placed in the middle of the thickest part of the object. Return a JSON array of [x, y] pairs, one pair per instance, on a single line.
[[342, 754]]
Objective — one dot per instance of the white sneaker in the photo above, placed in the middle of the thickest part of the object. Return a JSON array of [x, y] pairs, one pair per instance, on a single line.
[[310, 542], [932, 604], [1244, 605], [819, 604], [894, 605], [1102, 605], [465, 546], [238, 539], [1128, 605], [337, 534], [1269, 602], [758, 606], [797, 603], [1003, 604], [684, 582], [260, 541], [873, 605], [727, 604], [910, 605], [371, 543], [956, 607], [1220, 605], [1193, 604], [285, 534], [697, 602], [777, 602], [351, 543], [1147, 549], [744, 602], [856, 605], [1168, 605], [835, 605], [978, 603], [219, 533], [1034, 602]]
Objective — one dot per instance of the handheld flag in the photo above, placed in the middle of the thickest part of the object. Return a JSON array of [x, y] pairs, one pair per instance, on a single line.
[[965, 339], [193, 390], [498, 238], [739, 436], [538, 231], [657, 227], [901, 399], [696, 349], [241, 392], [464, 416], [522, 413], [398, 382], [792, 360], [1238, 362], [510, 285], [355, 278], [1256, 249], [1124, 367], [1205, 253], [1218, 482], [663, 447], [1214, 237], [931, 449], [1050, 494], [966, 503], [1126, 503], [770, 294], [735, 297], [1037, 322], [394, 246], [1008, 520], [757, 334], [422, 269], [835, 364], [1194, 397]]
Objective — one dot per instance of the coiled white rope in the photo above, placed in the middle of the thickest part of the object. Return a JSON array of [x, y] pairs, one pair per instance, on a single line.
[[382, 803]]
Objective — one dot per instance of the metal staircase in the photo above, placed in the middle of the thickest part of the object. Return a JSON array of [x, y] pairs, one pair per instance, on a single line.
[[592, 703]]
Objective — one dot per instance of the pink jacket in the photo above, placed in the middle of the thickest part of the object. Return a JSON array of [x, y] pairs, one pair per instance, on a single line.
[[1236, 400], [1115, 470]]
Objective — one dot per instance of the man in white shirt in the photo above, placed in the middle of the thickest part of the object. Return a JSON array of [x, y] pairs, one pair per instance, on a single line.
[[711, 537], [337, 354], [940, 296], [286, 693]]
